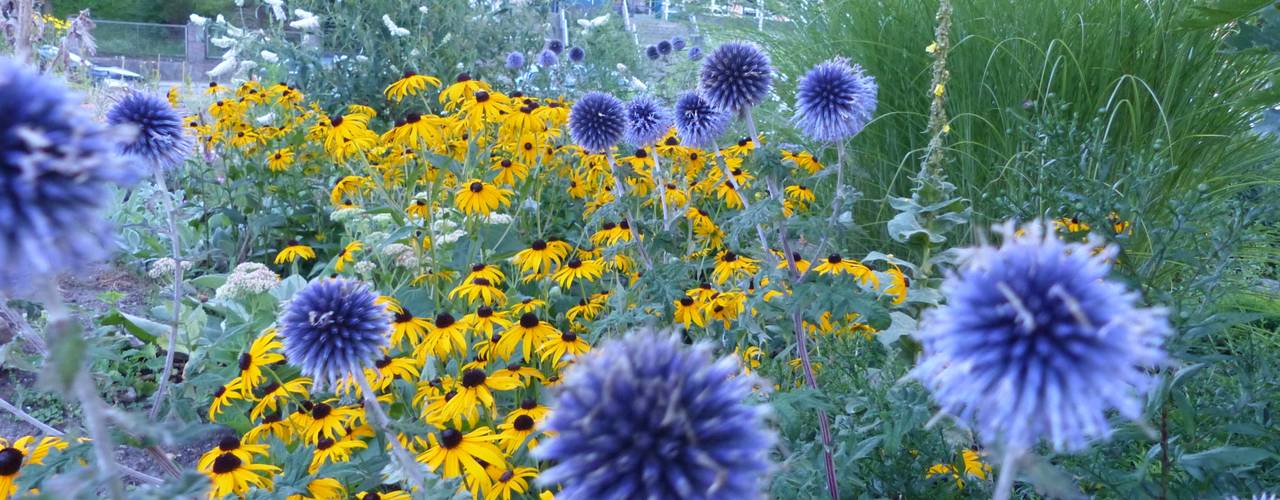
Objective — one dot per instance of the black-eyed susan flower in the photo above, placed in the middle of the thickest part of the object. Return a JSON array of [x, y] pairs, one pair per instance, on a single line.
[[509, 172], [475, 387], [585, 309], [406, 326], [578, 270], [224, 396], [541, 255], [514, 431], [730, 265], [524, 373], [528, 305], [231, 444], [21, 453], [484, 107], [973, 468], [802, 264], [262, 352], [689, 312], [445, 335], [328, 420], [280, 159], [274, 393], [273, 424], [834, 264], [513, 481], [457, 452], [294, 251], [333, 451], [409, 84], [726, 307], [529, 332], [804, 160], [898, 284], [230, 475], [477, 197], [1071, 224], [452, 96], [557, 347], [479, 290], [485, 320], [347, 255], [418, 208], [322, 488], [385, 495]]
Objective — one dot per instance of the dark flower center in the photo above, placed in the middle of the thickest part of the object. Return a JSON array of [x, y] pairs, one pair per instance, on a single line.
[[229, 443], [834, 258], [624, 225], [225, 463], [213, 84], [607, 226], [796, 256], [476, 187], [506, 163], [569, 337], [10, 461], [480, 282], [444, 320], [412, 118], [528, 320], [686, 301], [272, 418], [324, 444], [371, 496], [705, 286], [246, 360], [484, 312], [475, 268], [473, 377], [482, 96], [575, 263], [506, 476], [449, 395], [278, 156], [523, 423], [729, 257], [221, 390], [383, 363], [539, 245], [495, 338], [336, 121], [409, 74], [462, 77], [528, 404], [450, 438], [641, 153], [744, 141], [671, 141], [321, 410]]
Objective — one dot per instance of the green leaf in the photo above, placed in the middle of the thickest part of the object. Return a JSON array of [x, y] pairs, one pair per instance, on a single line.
[[1208, 463], [138, 326]]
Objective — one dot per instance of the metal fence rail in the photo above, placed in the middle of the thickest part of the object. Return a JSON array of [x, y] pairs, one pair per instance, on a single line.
[[142, 40]]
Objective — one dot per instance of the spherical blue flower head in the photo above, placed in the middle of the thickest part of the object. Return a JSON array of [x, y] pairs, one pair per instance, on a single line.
[[555, 46], [515, 60], [652, 52], [597, 122], [664, 47], [160, 138], [647, 121], [1035, 343], [56, 168], [678, 43], [577, 54], [695, 53], [835, 100], [334, 327], [736, 76], [698, 123], [547, 58], [645, 417]]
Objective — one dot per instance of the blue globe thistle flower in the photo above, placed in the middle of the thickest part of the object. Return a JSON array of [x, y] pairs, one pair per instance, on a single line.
[[664, 47], [577, 54], [834, 100], [1035, 343], [645, 417], [515, 60], [695, 53], [736, 76], [334, 327], [547, 58], [56, 170], [652, 52], [597, 122], [555, 46], [160, 137], [647, 121], [678, 43], [698, 123]]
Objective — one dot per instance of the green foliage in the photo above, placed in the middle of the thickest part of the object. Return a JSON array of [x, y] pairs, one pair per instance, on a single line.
[[152, 11]]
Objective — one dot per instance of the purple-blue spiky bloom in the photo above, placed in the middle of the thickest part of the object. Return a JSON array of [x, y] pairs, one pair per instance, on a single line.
[[56, 170], [698, 123], [577, 54], [555, 45], [646, 417], [647, 121], [1035, 343], [664, 47], [736, 76], [678, 43], [547, 58], [159, 138], [334, 327], [652, 52], [835, 100], [597, 122], [695, 53], [515, 60]]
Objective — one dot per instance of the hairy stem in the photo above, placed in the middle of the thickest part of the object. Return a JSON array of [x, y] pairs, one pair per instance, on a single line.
[[383, 424], [175, 249], [1008, 472]]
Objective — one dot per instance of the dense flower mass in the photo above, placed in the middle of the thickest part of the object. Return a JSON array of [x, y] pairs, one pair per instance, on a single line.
[[577, 54], [646, 417], [698, 123], [548, 58], [159, 135], [597, 122], [56, 171], [333, 328], [1035, 343], [736, 76], [515, 60], [835, 100], [647, 121]]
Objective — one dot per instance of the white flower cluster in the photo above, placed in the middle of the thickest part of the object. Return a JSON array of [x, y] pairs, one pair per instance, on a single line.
[[365, 268], [249, 278], [403, 255], [162, 269]]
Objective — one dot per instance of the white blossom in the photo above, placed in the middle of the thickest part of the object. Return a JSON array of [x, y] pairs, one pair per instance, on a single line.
[[269, 56], [249, 278], [162, 269], [277, 8], [198, 21], [391, 26], [223, 67], [222, 42]]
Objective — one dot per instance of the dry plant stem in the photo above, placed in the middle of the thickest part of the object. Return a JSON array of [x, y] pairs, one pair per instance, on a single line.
[[621, 188], [47, 430], [1009, 466], [383, 424], [90, 403], [23, 328], [175, 249]]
